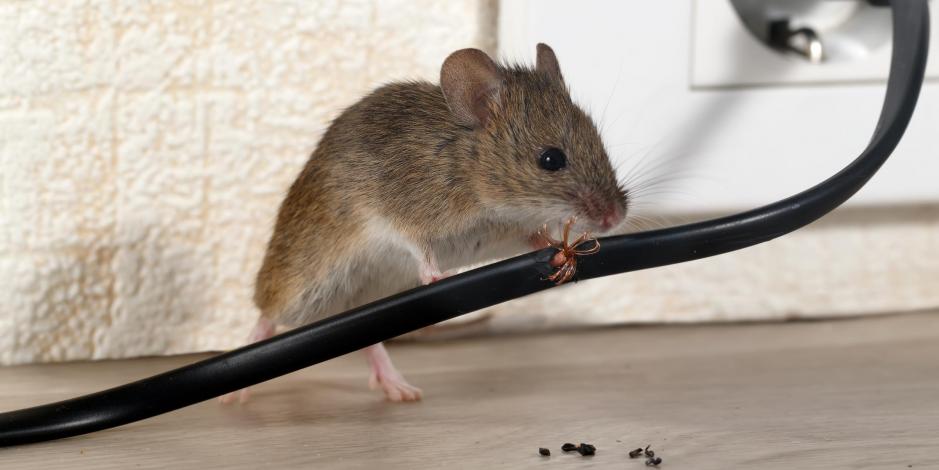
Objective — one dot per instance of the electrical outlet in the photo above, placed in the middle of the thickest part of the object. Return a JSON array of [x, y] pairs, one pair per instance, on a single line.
[[739, 42]]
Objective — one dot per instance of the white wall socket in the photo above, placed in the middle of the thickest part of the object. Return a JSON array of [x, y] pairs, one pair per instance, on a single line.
[[856, 37]]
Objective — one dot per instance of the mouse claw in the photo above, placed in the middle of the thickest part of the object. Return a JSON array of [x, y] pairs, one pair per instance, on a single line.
[[396, 389]]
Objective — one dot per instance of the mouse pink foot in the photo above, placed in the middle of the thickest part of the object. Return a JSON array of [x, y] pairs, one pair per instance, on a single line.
[[386, 376], [429, 273], [427, 269], [263, 330], [396, 389], [438, 276]]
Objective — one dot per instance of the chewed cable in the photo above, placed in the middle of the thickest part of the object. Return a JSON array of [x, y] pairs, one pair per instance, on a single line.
[[490, 285]]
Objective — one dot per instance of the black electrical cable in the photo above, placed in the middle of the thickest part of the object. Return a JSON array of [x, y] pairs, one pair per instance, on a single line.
[[492, 284]]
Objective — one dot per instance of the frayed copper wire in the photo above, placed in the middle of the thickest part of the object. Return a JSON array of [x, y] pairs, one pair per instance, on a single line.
[[566, 257]]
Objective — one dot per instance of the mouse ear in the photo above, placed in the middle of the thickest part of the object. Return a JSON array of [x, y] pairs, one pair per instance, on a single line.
[[470, 80], [547, 63]]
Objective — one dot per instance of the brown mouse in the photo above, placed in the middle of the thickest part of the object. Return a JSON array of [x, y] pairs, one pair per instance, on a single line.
[[417, 179]]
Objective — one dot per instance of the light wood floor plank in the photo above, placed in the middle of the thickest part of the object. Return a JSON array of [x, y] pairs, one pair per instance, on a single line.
[[818, 395]]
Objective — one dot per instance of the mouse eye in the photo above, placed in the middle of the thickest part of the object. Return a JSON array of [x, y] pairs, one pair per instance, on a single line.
[[552, 159]]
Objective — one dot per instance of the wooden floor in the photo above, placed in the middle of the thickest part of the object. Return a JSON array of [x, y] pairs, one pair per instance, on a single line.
[[817, 395]]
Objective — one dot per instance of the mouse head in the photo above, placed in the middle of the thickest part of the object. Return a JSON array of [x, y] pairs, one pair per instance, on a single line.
[[538, 156]]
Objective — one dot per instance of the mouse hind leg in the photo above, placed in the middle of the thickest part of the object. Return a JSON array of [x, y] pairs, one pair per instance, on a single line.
[[280, 295]]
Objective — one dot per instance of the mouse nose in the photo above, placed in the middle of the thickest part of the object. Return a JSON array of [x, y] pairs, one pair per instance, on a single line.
[[611, 218]]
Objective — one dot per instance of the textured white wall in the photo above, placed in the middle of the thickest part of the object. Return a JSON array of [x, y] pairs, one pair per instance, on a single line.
[[145, 146]]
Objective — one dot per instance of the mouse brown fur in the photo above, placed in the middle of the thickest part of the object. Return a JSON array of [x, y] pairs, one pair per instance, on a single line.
[[416, 179]]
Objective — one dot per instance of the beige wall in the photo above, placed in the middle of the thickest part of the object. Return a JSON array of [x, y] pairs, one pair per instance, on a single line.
[[145, 146]]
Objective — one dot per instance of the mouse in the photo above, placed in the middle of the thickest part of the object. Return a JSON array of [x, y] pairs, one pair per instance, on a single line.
[[418, 179]]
